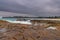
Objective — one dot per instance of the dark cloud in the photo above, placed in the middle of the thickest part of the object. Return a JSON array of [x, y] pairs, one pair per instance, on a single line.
[[33, 7], [14, 7], [2, 13]]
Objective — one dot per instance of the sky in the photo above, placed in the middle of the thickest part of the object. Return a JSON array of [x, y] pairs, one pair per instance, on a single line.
[[31, 7]]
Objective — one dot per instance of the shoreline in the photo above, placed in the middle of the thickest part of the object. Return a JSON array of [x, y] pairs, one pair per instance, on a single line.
[[17, 31]]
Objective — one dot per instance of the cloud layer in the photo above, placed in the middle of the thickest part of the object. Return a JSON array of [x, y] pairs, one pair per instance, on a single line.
[[33, 7]]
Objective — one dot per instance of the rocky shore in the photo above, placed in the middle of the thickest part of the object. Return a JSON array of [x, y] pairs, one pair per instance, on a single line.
[[13, 31]]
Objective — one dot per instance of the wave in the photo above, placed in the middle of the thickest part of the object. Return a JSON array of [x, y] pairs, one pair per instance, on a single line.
[[21, 22]]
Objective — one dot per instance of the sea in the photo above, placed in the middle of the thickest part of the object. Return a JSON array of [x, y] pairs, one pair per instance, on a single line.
[[15, 19], [10, 19]]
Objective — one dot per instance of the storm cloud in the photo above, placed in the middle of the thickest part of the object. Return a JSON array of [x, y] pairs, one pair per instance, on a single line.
[[33, 7]]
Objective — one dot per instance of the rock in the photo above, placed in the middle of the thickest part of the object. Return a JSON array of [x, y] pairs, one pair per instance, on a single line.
[[12, 31]]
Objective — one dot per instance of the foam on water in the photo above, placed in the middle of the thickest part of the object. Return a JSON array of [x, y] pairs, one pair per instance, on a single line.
[[21, 22]]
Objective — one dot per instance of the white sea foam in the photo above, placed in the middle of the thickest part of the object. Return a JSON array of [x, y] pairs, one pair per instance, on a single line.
[[21, 22], [53, 28]]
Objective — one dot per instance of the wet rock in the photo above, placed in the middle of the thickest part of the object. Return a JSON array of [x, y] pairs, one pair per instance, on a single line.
[[10, 31]]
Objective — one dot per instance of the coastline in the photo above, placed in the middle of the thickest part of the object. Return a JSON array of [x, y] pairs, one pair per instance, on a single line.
[[16, 31]]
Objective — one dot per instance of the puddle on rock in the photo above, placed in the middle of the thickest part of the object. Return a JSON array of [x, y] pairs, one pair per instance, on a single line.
[[3, 30]]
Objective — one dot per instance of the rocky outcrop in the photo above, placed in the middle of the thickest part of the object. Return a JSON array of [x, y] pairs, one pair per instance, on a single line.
[[11, 31]]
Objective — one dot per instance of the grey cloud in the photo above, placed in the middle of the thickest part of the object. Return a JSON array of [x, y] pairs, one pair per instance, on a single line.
[[3, 13], [14, 7], [34, 7]]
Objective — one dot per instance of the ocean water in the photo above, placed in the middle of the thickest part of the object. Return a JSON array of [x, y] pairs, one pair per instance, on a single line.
[[11, 19], [15, 19]]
